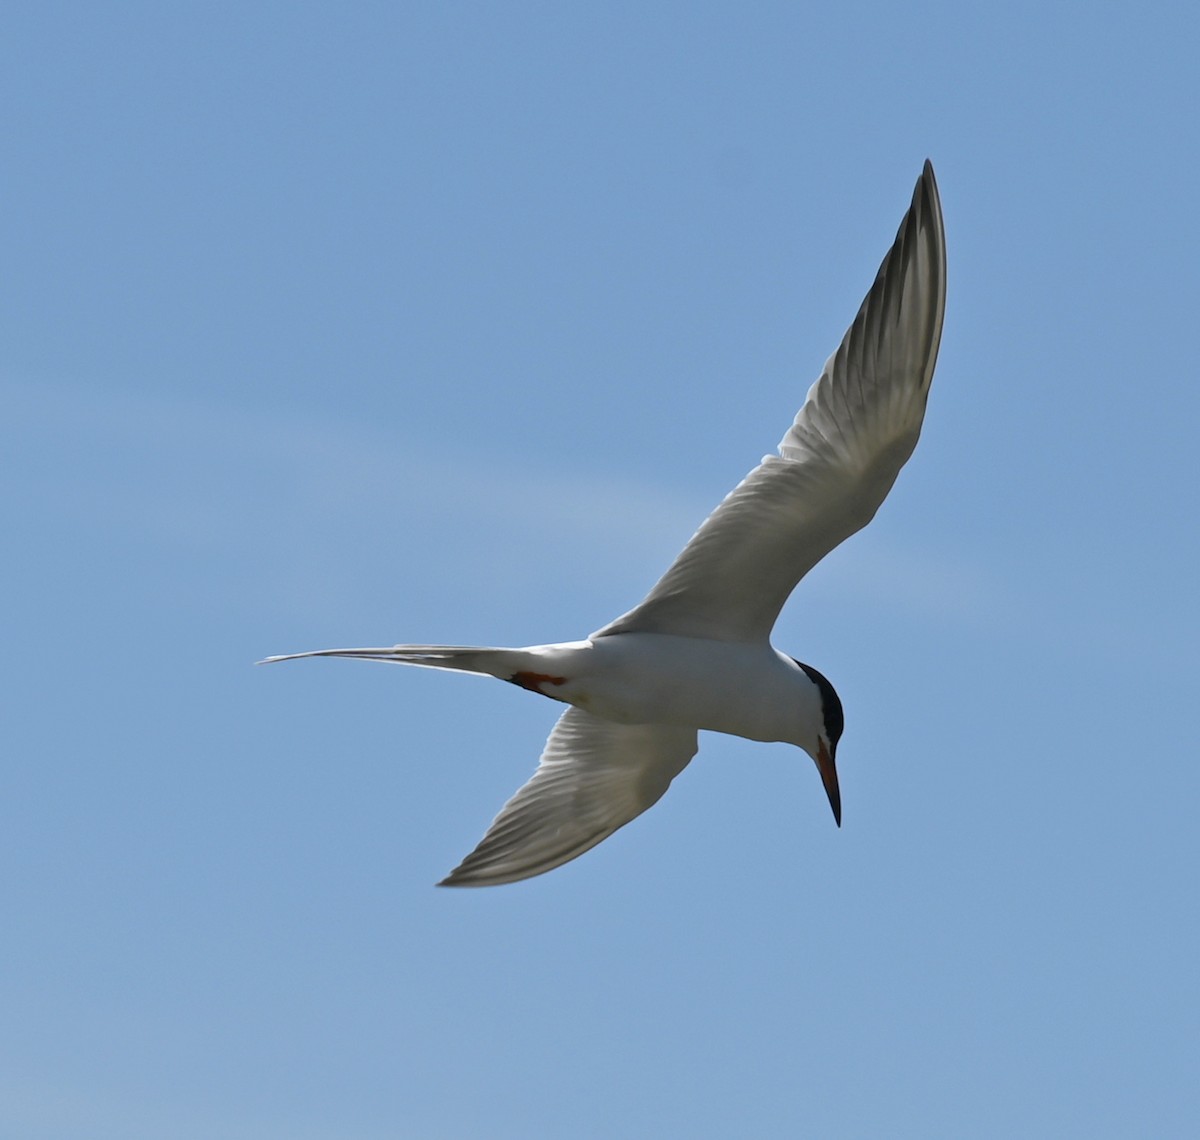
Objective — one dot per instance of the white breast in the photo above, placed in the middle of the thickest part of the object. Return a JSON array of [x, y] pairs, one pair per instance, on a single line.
[[645, 678]]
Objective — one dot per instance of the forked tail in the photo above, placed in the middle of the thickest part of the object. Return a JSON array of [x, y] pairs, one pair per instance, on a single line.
[[502, 663]]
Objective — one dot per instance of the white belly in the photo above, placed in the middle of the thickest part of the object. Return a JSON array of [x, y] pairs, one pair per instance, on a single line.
[[647, 678]]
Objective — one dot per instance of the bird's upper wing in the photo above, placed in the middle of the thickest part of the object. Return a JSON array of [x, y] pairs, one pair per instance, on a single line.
[[594, 776], [836, 464]]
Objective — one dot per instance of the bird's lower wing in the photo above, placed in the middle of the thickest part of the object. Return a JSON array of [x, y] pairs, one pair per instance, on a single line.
[[857, 428], [594, 777]]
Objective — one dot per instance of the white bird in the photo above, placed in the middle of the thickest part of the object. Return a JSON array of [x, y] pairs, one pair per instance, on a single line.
[[696, 652]]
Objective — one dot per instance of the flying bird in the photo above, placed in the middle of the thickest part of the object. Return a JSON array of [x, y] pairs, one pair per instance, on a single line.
[[695, 653]]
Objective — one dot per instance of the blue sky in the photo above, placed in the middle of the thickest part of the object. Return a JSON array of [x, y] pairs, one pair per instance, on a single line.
[[352, 324]]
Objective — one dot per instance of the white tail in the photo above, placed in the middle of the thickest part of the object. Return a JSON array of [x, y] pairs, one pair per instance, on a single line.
[[502, 663]]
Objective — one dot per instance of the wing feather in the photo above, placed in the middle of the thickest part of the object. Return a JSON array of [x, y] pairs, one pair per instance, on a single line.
[[836, 464], [594, 777]]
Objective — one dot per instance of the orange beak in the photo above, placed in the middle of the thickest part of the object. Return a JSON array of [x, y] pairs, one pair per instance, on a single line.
[[829, 778]]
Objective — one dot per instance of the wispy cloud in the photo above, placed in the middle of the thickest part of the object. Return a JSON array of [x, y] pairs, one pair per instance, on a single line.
[[280, 486], [310, 497], [334, 467], [922, 581]]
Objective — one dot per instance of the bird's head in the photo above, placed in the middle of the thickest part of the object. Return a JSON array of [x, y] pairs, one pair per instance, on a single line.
[[824, 749]]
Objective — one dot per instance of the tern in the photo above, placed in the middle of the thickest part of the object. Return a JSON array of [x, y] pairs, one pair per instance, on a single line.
[[696, 652]]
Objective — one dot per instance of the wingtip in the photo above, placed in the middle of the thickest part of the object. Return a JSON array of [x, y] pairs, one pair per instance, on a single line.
[[455, 880], [459, 877], [464, 875], [928, 184]]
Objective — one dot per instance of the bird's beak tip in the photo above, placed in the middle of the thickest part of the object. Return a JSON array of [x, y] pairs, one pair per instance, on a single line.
[[829, 778]]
